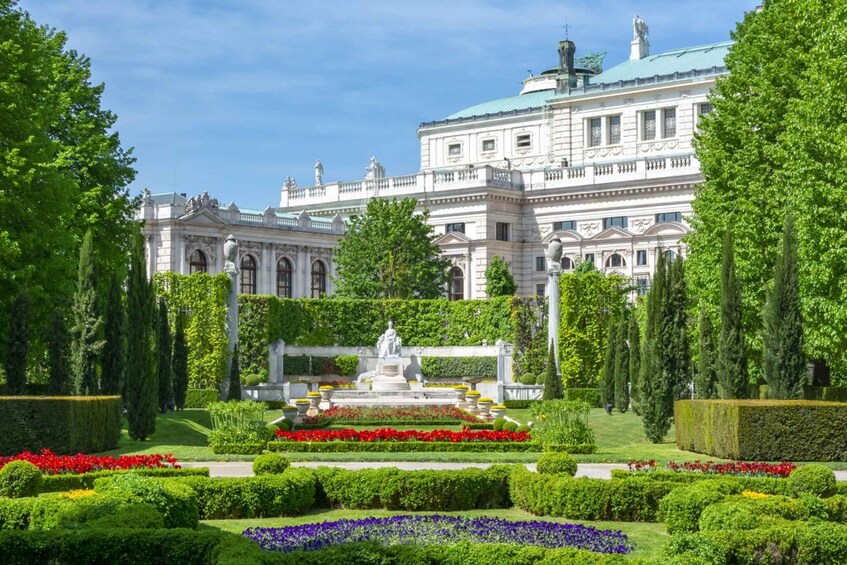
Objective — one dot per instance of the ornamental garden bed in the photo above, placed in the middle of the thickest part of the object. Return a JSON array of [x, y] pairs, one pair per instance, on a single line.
[[51, 464], [392, 416]]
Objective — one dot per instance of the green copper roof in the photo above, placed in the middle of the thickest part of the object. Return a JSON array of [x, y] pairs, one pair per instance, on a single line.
[[527, 102], [169, 199]]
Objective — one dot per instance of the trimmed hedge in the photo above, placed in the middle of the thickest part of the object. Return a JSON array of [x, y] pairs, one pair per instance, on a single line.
[[590, 396], [633, 500], [175, 501], [458, 367], [201, 397], [403, 446], [519, 404], [63, 424], [65, 482], [392, 489], [763, 430]]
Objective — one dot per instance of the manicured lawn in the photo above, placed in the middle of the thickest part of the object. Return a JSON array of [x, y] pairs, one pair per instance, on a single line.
[[647, 537]]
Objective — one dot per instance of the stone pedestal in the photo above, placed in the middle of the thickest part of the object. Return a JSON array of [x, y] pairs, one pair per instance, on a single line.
[[389, 376]]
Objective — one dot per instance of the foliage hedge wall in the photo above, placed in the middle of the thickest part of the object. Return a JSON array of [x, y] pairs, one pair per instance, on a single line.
[[763, 430], [64, 424], [458, 367]]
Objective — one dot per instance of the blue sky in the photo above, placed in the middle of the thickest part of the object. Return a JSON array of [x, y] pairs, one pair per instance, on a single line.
[[231, 97]]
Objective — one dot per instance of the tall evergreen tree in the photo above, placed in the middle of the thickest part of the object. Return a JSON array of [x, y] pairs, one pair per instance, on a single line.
[[607, 382], [234, 389], [166, 392], [553, 388], [784, 364], [622, 365], [58, 351], [732, 356], [180, 362], [656, 388], [680, 347], [141, 370], [17, 346], [114, 326], [705, 381], [634, 339], [87, 345]]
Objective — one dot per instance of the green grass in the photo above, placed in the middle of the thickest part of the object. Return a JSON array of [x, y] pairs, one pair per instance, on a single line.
[[646, 537]]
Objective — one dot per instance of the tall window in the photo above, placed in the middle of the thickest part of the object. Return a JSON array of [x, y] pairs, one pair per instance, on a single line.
[[539, 290], [616, 222], [641, 257], [284, 275], [589, 258], [457, 284], [566, 225], [669, 127], [614, 130], [642, 284], [197, 262], [318, 279], [567, 264], [648, 132], [540, 264], [658, 123], [502, 231], [615, 261], [595, 132], [670, 254], [248, 275], [459, 227]]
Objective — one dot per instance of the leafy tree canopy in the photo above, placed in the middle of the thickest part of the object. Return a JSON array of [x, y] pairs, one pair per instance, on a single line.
[[390, 252], [498, 278]]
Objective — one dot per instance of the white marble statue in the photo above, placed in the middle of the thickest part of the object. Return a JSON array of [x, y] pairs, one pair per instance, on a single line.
[[554, 255], [230, 254], [639, 29], [374, 170], [319, 173], [388, 344]]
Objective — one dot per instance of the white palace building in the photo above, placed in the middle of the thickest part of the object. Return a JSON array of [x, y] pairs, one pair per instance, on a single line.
[[601, 159]]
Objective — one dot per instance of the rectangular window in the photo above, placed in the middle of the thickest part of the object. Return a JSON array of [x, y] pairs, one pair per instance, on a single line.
[[589, 257], [668, 217], [523, 141], [595, 132], [539, 290], [641, 284], [648, 132], [502, 231], [489, 145], [704, 108], [614, 130], [616, 222], [641, 257], [540, 264], [454, 149], [566, 225], [460, 228], [669, 127]]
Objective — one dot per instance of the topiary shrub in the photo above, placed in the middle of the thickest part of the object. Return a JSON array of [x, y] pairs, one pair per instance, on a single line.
[[680, 510], [509, 427], [818, 480], [176, 501], [348, 365], [497, 425], [19, 479], [285, 425], [556, 464], [728, 516], [523, 428], [527, 379], [270, 464]]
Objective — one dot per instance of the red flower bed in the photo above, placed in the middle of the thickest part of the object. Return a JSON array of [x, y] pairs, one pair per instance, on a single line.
[[641, 465], [52, 464], [754, 469], [345, 414], [390, 434]]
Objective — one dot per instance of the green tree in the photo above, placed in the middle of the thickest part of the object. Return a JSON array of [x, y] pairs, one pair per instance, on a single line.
[[607, 379], [552, 380], [634, 342], [87, 345], [622, 365], [180, 362], [498, 278], [390, 252], [784, 364], [656, 386], [114, 352], [141, 370], [706, 378], [58, 354], [233, 391], [679, 358], [64, 170], [732, 356], [165, 380], [17, 348]]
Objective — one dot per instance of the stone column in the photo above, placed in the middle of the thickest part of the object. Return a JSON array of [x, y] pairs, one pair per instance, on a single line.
[[231, 269], [554, 271]]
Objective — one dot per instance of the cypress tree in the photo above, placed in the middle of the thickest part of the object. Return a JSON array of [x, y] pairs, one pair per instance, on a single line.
[[784, 365], [234, 389], [114, 326], [634, 338], [180, 363], [656, 390], [87, 345], [552, 380], [622, 365], [680, 346], [17, 346], [141, 370], [166, 393], [607, 383], [705, 381], [732, 356], [58, 364]]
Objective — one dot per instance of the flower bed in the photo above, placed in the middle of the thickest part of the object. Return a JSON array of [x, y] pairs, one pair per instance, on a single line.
[[735, 468], [428, 415], [436, 530], [392, 435], [52, 464]]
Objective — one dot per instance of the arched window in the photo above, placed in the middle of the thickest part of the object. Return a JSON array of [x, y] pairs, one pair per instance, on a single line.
[[670, 254], [248, 275], [318, 279], [284, 274], [567, 264], [615, 261], [457, 284], [197, 263]]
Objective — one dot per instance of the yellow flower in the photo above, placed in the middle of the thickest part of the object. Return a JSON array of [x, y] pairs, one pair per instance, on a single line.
[[74, 494], [753, 495]]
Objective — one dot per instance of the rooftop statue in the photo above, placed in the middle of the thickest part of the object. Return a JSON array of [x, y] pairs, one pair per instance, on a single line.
[[388, 344], [319, 172], [201, 201], [289, 183], [639, 29], [374, 170], [591, 61]]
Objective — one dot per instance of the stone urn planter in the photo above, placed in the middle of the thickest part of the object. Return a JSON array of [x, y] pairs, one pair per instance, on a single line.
[[471, 399], [289, 412], [460, 392], [485, 405], [302, 407], [326, 393], [497, 411], [314, 400]]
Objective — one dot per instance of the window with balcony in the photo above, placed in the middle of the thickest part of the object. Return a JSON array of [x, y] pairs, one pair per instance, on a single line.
[[489, 145], [540, 264], [501, 231], [565, 225], [668, 217], [523, 141], [641, 257], [458, 228], [615, 222]]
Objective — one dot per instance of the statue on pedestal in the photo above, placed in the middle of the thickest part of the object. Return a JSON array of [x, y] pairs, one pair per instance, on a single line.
[[388, 344], [554, 255], [639, 29], [231, 255], [319, 172]]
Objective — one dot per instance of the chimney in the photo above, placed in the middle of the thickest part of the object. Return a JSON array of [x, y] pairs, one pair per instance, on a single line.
[[567, 71]]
